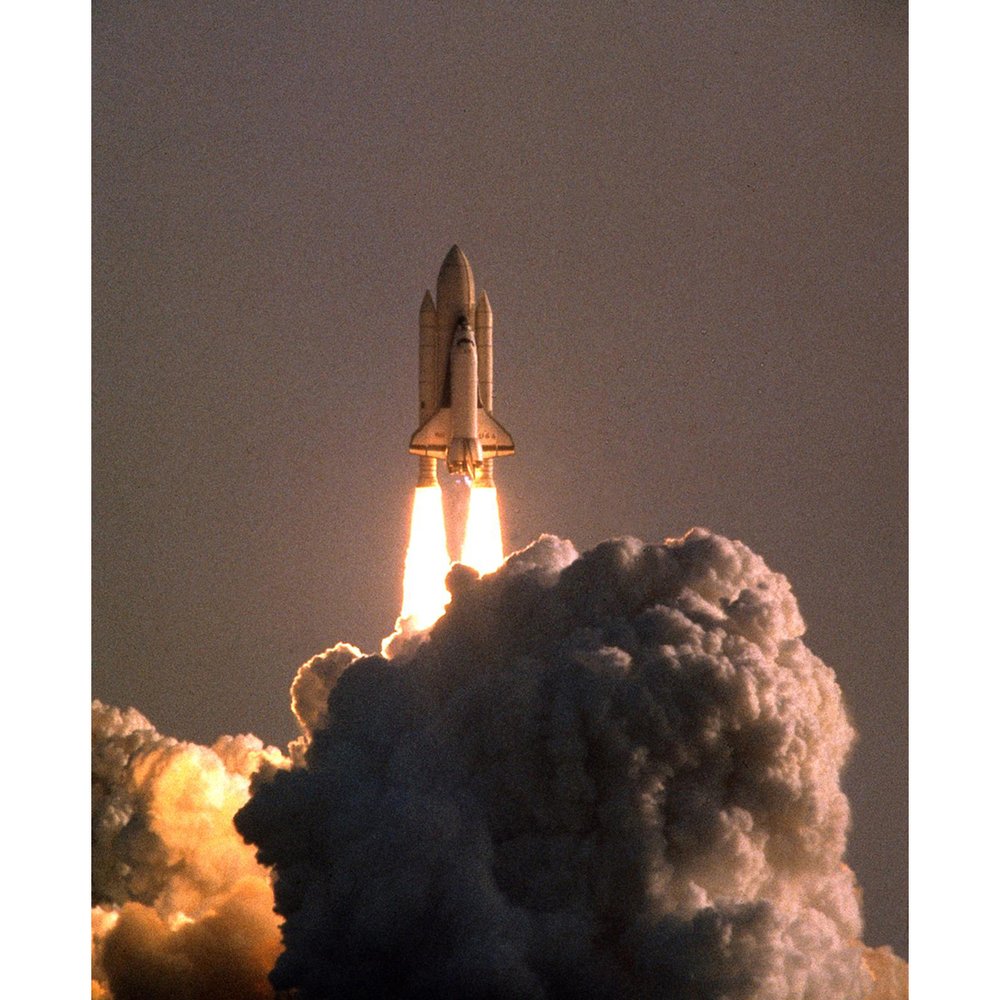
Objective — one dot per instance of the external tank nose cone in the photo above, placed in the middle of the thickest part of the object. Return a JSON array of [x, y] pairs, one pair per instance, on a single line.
[[454, 258], [456, 288]]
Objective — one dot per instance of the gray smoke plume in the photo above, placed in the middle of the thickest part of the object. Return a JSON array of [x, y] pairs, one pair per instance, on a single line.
[[613, 775]]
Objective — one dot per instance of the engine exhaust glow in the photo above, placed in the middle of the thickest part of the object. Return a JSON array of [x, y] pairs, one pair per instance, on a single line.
[[482, 548], [426, 565]]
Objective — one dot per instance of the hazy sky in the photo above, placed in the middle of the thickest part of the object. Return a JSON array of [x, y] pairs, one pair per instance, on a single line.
[[691, 222]]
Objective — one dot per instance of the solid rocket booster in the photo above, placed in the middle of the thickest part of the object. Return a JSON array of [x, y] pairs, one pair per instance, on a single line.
[[456, 380]]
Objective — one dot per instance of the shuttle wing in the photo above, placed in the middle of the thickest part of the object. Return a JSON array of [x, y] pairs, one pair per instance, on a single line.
[[492, 436], [433, 435]]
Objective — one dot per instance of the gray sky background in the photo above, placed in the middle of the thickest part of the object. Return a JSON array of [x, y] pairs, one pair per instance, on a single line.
[[691, 222]]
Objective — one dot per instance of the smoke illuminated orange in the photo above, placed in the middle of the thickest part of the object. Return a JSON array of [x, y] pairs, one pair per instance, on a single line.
[[482, 548], [424, 592]]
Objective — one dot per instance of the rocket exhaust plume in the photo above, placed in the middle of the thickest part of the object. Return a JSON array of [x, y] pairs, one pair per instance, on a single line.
[[426, 564], [482, 547]]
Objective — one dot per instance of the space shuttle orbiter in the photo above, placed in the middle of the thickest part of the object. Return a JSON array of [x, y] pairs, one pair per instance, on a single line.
[[456, 380]]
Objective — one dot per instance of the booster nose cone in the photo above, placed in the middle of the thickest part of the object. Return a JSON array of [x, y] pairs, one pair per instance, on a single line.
[[484, 314]]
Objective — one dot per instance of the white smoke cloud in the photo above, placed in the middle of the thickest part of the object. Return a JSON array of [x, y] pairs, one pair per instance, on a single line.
[[180, 906], [891, 973], [311, 689], [613, 775]]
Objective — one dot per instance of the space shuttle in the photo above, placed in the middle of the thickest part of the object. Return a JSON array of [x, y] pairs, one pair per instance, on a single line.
[[456, 380]]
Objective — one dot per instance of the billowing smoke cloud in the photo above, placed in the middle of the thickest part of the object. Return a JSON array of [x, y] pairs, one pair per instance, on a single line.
[[891, 974], [181, 909], [613, 775], [311, 689]]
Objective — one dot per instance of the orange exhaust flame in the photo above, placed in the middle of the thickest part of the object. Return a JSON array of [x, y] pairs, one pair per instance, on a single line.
[[426, 565], [482, 548]]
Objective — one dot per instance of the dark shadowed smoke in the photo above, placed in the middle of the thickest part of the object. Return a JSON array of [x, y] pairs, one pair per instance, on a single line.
[[613, 775]]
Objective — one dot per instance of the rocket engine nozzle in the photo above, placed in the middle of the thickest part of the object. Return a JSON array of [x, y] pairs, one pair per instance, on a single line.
[[465, 457]]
